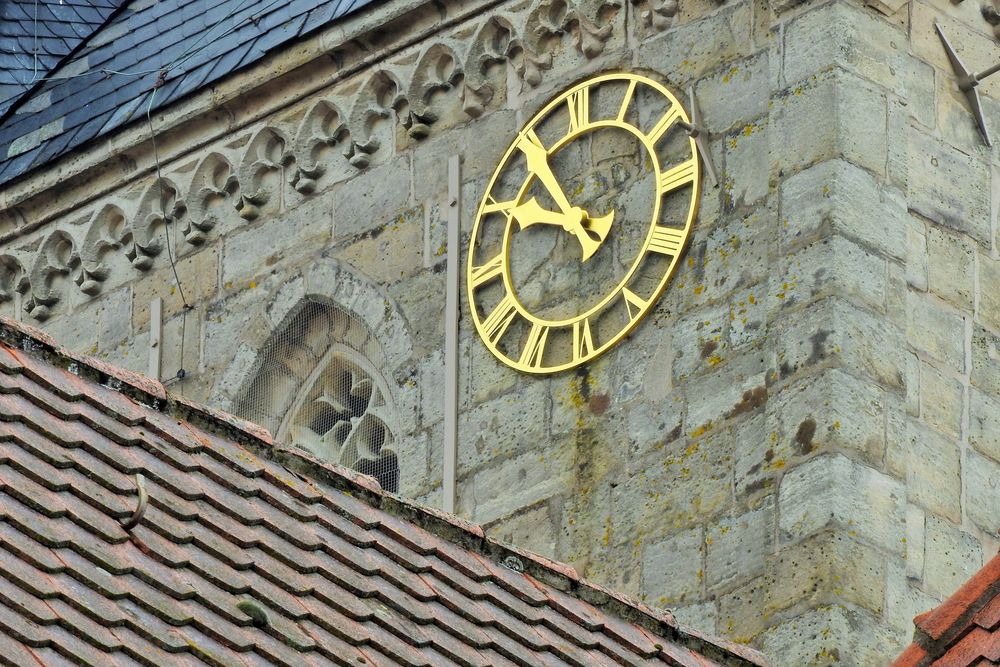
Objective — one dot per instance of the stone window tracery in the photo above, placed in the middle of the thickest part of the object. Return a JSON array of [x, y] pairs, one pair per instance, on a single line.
[[317, 384]]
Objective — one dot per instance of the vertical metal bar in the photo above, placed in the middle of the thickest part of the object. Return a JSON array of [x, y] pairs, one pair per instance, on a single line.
[[155, 337], [451, 336]]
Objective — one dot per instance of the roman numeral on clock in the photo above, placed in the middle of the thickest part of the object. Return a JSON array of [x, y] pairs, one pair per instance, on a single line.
[[678, 176], [531, 355], [626, 101], [579, 110], [496, 323], [583, 340], [666, 240], [484, 273], [494, 206], [634, 304], [662, 125]]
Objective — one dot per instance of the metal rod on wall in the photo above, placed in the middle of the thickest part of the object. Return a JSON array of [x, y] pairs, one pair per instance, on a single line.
[[451, 336]]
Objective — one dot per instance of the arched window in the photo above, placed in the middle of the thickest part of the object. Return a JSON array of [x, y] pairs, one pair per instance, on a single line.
[[317, 383]]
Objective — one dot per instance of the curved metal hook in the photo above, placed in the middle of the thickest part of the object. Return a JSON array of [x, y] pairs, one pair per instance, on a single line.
[[140, 510]]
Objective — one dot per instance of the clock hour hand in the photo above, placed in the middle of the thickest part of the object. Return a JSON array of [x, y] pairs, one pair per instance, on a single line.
[[575, 221]]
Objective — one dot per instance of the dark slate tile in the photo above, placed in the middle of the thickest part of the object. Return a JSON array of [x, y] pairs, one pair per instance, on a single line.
[[60, 29], [55, 147], [11, 169], [228, 62], [61, 12]]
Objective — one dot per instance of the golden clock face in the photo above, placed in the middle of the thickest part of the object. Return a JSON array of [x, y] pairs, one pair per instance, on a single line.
[[583, 223]]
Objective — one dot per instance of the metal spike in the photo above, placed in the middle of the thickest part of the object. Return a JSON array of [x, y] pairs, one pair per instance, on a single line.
[[696, 130], [967, 82]]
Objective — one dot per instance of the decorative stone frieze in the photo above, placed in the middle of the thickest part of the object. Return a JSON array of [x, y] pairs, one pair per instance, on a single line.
[[323, 140]]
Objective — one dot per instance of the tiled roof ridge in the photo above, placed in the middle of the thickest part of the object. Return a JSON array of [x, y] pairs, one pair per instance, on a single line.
[[941, 629], [27, 95], [152, 394]]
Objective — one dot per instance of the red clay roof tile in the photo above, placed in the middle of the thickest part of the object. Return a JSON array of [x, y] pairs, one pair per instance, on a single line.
[[250, 553], [963, 630]]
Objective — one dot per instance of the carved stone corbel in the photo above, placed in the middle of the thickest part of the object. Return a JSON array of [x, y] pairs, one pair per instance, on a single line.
[[213, 184], [321, 129]]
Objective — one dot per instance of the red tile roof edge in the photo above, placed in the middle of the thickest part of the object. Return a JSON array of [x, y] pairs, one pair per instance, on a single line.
[[938, 630], [260, 442]]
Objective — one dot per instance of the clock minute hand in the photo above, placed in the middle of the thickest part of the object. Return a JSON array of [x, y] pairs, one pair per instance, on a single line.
[[538, 164]]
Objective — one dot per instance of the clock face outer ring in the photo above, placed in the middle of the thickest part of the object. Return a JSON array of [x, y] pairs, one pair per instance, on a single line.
[[650, 147]]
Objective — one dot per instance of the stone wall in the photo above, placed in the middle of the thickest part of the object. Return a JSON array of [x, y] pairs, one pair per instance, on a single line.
[[799, 448]]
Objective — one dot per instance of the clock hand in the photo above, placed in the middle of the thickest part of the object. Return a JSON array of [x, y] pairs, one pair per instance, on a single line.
[[538, 165], [576, 222]]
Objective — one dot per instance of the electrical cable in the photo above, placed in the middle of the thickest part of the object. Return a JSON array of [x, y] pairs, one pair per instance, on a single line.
[[181, 373]]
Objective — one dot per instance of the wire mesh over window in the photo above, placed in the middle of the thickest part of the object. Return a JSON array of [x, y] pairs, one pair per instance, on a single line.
[[318, 383]]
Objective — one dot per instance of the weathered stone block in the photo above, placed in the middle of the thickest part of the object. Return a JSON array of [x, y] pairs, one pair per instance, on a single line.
[[481, 143], [735, 387], [834, 115], [199, 276], [933, 479], [989, 289], [737, 547], [841, 35], [916, 255], [826, 411], [701, 46], [985, 360], [828, 568], [496, 428], [701, 341], [951, 266], [941, 400], [755, 462], [745, 176], [904, 601], [984, 423], [839, 197], [371, 199], [834, 492], [181, 347], [534, 530], [948, 186], [915, 530], [509, 485], [951, 556], [668, 577], [982, 499], [393, 254], [839, 634], [832, 266], [735, 95], [690, 484], [835, 331], [275, 243], [935, 330]]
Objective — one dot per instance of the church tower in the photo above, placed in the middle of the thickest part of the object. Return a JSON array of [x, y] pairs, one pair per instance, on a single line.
[[701, 297]]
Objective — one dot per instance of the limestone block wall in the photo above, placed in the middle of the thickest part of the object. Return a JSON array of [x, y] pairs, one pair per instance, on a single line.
[[798, 448]]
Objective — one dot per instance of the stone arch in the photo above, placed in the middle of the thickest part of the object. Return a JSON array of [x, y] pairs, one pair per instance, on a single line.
[[331, 371]]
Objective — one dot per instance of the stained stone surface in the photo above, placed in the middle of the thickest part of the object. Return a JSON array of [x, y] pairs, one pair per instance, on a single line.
[[797, 448]]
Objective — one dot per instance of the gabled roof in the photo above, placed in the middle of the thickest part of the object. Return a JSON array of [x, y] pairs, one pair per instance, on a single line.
[[174, 47], [964, 630], [250, 553], [35, 35]]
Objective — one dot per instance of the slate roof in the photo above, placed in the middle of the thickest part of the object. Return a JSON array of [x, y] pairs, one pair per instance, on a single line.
[[964, 630], [49, 28], [249, 553], [195, 42]]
